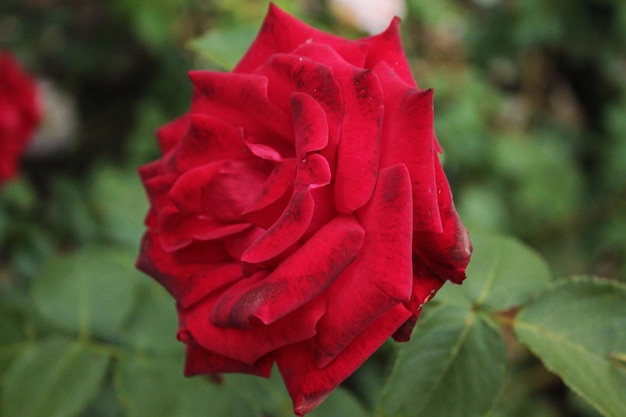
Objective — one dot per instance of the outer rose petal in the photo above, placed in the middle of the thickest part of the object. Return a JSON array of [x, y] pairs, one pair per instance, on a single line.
[[246, 345], [444, 255], [409, 138], [201, 361], [309, 385], [281, 32], [169, 135], [387, 47]]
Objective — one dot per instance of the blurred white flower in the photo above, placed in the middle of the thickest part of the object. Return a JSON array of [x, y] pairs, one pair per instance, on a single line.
[[59, 123], [372, 16]]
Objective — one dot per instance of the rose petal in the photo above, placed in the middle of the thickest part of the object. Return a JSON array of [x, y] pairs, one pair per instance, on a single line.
[[290, 227], [247, 345], [425, 286], [281, 32], [358, 152], [203, 252], [297, 280], [369, 287], [310, 124], [201, 361], [187, 283], [208, 139], [277, 184], [223, 95], [169, 135], [387, 47], [187, 193], [309, 385], [313, 172], [408, 130], [290, 73], [358, 148], [445, 255]]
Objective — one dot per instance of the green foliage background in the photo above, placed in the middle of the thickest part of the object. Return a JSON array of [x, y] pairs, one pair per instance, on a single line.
[[530, 105]]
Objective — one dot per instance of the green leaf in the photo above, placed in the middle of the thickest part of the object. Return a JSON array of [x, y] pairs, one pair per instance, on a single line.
[[270, 395], [55, 378], [155, 387], [502, 274], [154, 324], [578, 329], [339, 403], [224, 47], [12, 336], [90, 292], [454, 365], [122, 204]]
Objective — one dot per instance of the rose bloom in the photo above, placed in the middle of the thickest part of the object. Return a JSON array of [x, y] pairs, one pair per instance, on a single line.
[[299, 214], [19, 114]]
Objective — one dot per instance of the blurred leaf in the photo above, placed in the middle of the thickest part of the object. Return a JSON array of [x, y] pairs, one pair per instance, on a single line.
[[271, 395], [90, 292], [502, 274], [454, 365], [19, 194], [543, 181], [155, 387], [68, 211], [153, 326], [122, 204], [578, 329], [55, 378], [483, 207], [339, 403], [12, 336], [224, 47]]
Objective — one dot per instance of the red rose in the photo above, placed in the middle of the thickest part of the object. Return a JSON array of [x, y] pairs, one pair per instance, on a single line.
[[300, 214], [19, 114]]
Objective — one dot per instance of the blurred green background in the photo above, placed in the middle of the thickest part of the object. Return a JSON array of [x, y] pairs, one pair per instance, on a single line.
[[530, 108]]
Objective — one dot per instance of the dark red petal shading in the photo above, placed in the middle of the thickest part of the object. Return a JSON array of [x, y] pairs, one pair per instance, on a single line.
[[201, 361], [247, 345], [296, 280], [309, 385], [425, 286], [292, 73], [387, 47], [188, 283], [310, 124], [266, 207], [444, 255], [290, 227], [409, 138], [223, 95], [282, 33], [381, 276]]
